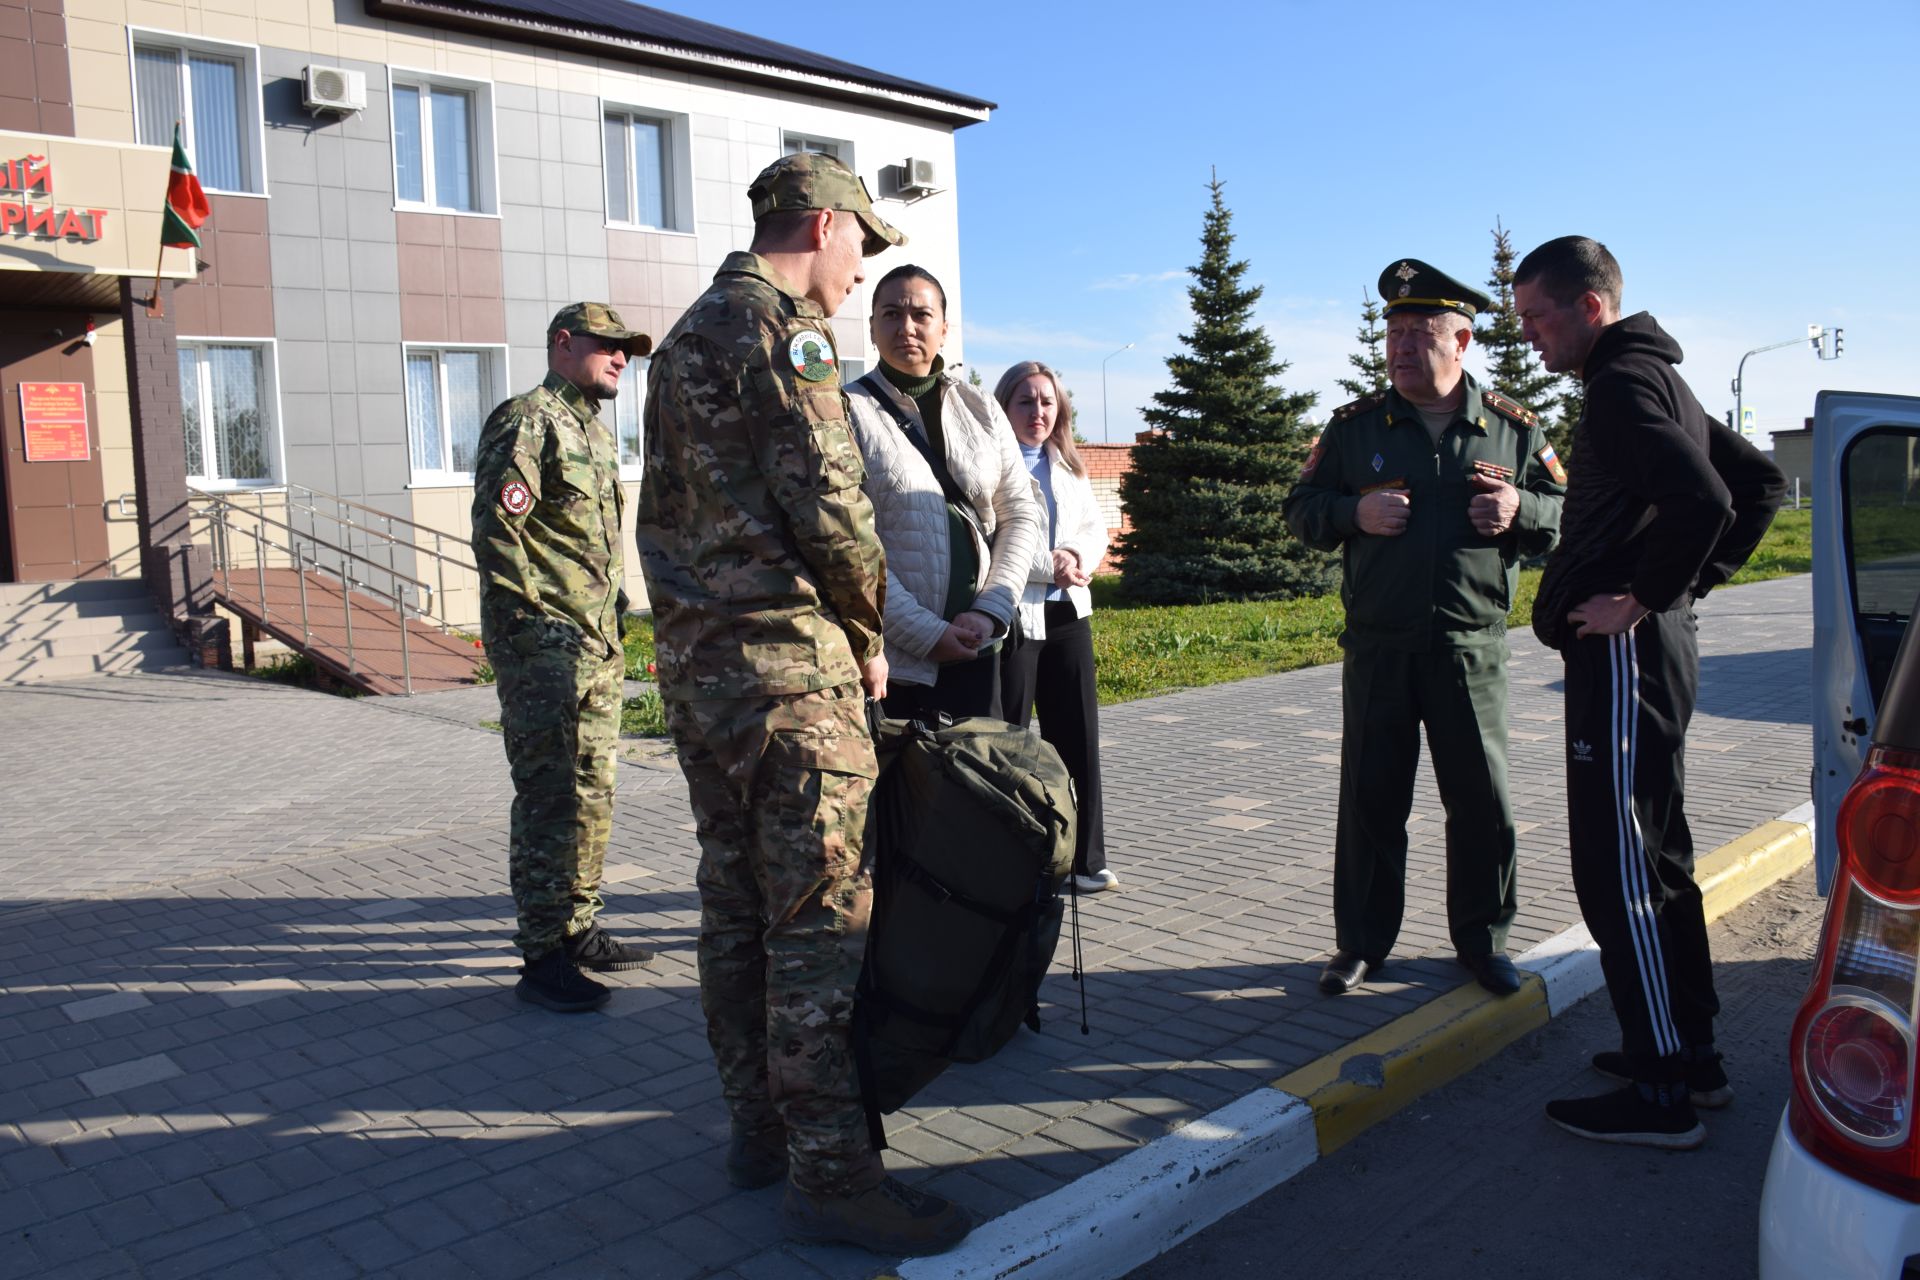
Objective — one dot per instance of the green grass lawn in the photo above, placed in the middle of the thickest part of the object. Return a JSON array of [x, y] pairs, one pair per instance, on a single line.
[[1143, 650]]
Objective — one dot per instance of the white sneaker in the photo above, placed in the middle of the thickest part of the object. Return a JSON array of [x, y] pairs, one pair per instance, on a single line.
[[1098, 882]]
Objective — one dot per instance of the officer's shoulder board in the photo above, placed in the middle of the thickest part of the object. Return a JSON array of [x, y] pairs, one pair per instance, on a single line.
[[1353, 407], [1509, 408]]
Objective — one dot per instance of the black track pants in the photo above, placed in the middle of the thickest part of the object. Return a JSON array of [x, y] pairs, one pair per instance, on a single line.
[[1629, 698]]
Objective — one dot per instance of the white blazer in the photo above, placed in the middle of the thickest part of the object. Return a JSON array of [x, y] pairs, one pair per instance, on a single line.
[[1079, 528]]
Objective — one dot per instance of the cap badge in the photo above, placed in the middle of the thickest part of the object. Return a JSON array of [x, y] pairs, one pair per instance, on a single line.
[[812, 355], [516, 497], [1406, 272]]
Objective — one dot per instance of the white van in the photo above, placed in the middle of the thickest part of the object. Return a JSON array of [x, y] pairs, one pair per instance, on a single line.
[[1842, 1192]]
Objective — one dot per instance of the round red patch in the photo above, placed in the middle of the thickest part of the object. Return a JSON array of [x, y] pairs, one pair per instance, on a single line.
[[516, 497]]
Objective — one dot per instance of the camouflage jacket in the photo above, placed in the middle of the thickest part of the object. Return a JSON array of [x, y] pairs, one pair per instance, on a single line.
[[1441, 584], [762, 565], [547, 504]]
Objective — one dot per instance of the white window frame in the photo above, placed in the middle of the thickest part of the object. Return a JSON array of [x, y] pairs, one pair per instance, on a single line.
[[637, 370], [253, 140], [841, 149], [679, 167], [486, 163], [445, 479], [269, 403]]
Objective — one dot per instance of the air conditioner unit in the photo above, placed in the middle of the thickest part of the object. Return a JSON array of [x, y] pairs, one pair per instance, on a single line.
[[333, 89], [920, 177]]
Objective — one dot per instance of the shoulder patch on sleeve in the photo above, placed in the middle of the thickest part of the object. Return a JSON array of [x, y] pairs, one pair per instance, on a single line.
[[1509, 408], [1551, 461], [1353, 407]]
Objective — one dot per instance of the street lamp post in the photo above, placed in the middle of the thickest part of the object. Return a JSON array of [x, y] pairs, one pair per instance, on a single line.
[[1104, 438]]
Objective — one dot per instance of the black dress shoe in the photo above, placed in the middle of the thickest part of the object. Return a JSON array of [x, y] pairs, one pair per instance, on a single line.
[[1494, 972], [1347, 970]]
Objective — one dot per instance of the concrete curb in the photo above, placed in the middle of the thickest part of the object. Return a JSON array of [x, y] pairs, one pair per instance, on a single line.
[[1115, 1219]]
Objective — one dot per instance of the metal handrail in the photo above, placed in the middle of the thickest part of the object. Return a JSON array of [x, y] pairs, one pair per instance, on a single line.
[[223, 516]]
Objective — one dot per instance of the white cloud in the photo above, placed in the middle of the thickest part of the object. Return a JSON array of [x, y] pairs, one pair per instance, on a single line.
[[1134, 279]]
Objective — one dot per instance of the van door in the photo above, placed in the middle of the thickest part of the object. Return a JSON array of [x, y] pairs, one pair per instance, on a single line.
[[1866, 577]]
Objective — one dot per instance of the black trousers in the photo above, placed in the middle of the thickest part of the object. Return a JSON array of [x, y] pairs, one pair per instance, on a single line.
[[1629, 698], [1055, 676], [1460, 697], [961, 689]]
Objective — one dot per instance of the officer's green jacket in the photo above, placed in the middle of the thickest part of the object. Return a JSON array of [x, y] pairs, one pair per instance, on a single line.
[[763, 567], [547, 504], [1440, 584]]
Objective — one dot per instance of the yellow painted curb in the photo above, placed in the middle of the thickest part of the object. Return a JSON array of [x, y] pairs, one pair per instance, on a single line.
[[1741, 868], [1362, 1084]]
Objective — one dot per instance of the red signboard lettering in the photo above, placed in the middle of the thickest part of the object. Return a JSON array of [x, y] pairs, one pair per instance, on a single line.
[[32, 176], [53, 416]]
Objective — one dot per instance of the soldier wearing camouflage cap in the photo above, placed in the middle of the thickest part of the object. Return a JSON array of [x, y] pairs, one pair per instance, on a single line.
[[766, 579], [546, 538], [1432, 491]]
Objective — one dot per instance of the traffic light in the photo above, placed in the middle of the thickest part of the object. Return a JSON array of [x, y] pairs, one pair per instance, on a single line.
[[1839, 337], [1814, 334]]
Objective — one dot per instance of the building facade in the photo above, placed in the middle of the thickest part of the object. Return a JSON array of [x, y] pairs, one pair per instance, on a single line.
[[403, 193]]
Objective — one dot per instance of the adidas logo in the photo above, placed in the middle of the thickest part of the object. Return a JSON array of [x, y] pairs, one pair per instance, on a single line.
[[1582, 751]]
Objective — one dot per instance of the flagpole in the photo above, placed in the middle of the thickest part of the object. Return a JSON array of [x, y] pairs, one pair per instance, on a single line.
[[154, 306]]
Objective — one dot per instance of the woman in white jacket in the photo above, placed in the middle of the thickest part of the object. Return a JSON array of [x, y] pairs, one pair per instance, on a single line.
[[952, 505], [1049, 664]]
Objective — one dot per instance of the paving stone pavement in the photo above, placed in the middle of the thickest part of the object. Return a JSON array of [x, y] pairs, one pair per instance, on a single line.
[[255, 1009]]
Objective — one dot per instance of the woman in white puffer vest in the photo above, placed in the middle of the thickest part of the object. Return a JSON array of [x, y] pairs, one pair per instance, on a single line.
[[1049, 664], [952, 503]]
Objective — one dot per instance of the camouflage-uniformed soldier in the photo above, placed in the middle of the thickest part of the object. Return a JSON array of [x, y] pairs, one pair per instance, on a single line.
[[1432, 492], [766, 580], [546, 537]]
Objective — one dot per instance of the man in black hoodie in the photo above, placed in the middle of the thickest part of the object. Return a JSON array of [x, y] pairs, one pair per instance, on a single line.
[[1663, 505]]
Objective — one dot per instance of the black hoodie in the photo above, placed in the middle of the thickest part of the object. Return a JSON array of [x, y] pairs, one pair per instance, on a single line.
[[1663, 501]]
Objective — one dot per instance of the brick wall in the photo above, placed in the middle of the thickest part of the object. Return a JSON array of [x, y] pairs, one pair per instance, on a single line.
[[1106, 463]]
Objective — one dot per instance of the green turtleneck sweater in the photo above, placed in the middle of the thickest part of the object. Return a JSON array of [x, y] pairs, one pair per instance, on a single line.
[[965, 560]]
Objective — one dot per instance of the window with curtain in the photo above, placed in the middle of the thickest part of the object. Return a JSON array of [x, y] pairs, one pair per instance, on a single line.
[[227, 413], [450, 392], [436, 146], [210, 94], [627, 408], [639, 159]]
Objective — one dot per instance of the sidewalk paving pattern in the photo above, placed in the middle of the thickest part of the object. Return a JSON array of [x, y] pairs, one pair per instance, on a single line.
[[255, 1008]]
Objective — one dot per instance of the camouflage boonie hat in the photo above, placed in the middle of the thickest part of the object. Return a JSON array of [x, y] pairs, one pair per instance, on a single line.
[[601, 321], [1411, 285], [809, 180]]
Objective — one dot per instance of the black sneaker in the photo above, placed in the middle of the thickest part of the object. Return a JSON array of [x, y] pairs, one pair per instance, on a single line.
[[556, 983], [596, 949], [1707, 1084], [891, 1218], [1625, 1116]]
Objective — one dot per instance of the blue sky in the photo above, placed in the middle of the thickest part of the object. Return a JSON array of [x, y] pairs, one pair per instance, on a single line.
[[1754, 166]]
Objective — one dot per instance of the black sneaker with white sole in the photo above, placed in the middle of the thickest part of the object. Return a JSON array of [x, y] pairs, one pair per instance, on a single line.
[[555, 982], [598, 950], [1707, 1084], [1629, 1116]]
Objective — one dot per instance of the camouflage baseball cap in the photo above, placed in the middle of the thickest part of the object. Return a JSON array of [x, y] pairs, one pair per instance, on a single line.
[[810, 180], [600, 320]]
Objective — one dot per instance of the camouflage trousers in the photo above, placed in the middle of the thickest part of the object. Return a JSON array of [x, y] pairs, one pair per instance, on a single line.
[[779, 788], [560, 710]]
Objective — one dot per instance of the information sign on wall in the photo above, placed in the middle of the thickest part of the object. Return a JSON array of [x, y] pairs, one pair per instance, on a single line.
[[54, 418]]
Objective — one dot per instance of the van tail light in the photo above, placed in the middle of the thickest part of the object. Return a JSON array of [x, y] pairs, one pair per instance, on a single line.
[[1853, 1039]]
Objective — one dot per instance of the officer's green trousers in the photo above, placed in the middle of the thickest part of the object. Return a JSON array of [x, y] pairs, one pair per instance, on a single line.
[[1461, 698]]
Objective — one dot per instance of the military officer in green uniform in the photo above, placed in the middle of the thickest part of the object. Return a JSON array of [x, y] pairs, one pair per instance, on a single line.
[[546, 538], [766, 578], [1433, 492]]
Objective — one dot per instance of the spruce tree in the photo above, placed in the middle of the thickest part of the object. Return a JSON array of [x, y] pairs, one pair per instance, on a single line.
[[1512, 368], [1371, 359], [1206, 485]]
